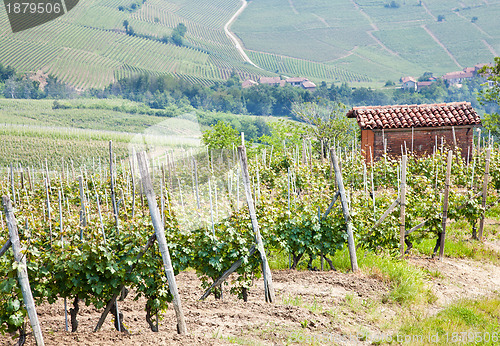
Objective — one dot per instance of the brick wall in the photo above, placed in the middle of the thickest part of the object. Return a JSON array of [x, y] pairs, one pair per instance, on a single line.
[[424, 140]]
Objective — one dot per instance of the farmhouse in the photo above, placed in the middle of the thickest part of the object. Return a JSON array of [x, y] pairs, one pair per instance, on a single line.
[[418, 128], [408, 83], [273, 81]]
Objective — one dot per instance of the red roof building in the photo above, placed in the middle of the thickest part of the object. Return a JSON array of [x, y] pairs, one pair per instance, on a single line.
[[248, 83], [408, 83], [415, 128], [273, 81]]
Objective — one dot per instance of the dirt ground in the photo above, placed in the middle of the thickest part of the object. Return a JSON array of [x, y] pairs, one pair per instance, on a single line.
[[324, 307]]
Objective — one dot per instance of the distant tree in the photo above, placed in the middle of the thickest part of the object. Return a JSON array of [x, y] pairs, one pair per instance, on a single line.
[[441, 18], [125, 24], [328, 125], [177, 39], [491, 95], [220, 136], [392, 4], [178, 34], [389, 83], [474, 19], [6, 72], [426, 76], [181, 29]]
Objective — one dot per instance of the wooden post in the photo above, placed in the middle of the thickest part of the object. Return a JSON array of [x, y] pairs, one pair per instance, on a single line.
[[49, 214], [83, 216], [266, 271], [345, 209], [5, 247], [403, 205], [195, 169], [22, 273], [445, 203], [412, 138], [12, 184], [60, 214], [113, 196], [454, 138], [211, 206], [162, 242], [371, 177], [131, 162], [100, 218], [485, 190]]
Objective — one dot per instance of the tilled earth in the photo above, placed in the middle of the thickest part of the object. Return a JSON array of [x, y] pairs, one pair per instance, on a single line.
[[326, 307]]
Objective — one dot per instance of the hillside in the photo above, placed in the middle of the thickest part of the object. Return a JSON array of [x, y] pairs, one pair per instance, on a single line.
[[332, 40], [88, 47], [370, 37]]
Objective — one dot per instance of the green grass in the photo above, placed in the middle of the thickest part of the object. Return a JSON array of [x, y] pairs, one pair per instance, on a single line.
[[406, 282], [40, 112], [471, 249], [480, 316]]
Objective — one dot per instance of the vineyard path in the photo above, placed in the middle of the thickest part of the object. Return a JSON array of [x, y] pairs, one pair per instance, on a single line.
[[234, 38]]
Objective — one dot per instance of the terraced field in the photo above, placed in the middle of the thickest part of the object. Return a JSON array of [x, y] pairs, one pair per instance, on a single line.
[[367, 38], [89, 48], [357, 41]]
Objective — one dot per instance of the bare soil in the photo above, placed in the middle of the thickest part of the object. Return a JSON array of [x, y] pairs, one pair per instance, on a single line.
[[329, 306]]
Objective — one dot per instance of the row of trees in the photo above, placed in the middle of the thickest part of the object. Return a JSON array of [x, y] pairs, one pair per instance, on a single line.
[[19, 86], [162, 92], [176, 37], [159, 92]]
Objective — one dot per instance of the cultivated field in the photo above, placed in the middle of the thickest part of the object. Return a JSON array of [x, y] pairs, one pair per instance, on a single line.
[[86, 223], [368, 38], [88, 46], [335, 41]]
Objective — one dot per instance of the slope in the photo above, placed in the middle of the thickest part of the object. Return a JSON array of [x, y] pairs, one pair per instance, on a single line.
[[380, 39]]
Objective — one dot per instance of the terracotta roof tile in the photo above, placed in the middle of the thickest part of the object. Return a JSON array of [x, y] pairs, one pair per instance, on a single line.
[[407, 116]]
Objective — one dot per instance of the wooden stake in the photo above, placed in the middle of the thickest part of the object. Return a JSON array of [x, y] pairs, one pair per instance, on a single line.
[[266, 271], [83, 216], [12, 184], [60, 215], [133, 185], [445, 203], [195, 169], [403, 205], [454, 138], [412, 137], [113, 196], [345, 210], [485, 190], [22, 273], [162, 242], [5, 247]]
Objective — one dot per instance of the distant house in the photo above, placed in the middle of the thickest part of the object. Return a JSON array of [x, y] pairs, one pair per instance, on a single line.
[[408, 83], [424, 84], [296, 81], [308, 85], [273, 81], [455, 78], [415, 127], [248, 83], [277, 81]]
